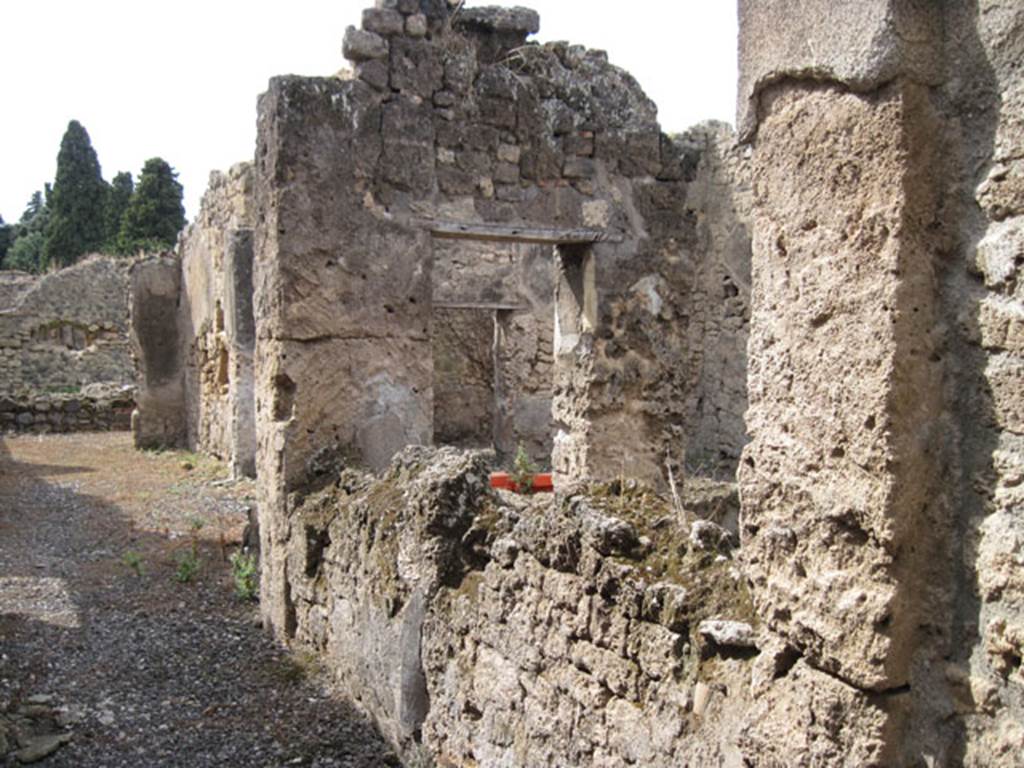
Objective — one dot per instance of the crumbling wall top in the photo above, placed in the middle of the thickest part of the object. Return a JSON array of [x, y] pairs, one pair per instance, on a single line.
[[524, 21]]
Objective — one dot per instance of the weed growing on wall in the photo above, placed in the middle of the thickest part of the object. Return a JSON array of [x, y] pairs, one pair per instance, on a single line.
[[523, 470]]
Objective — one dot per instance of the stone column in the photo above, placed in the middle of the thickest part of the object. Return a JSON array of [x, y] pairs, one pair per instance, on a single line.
[[841, 504]]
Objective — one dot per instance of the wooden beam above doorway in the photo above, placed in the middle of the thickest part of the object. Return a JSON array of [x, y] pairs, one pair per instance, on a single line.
[[515, 233]]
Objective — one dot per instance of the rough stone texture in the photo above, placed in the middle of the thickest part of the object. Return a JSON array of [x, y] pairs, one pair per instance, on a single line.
[[984, 301], [159, 421], [216, 321], [66, 329], [483, 629], [879, 489]]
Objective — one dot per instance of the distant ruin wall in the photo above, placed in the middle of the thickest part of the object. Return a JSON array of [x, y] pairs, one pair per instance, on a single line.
[[97, 408], [64, 330]]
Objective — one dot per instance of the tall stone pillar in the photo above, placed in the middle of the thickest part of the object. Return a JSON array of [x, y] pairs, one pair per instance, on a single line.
[[344, 366], [154, 293], [841, 508]]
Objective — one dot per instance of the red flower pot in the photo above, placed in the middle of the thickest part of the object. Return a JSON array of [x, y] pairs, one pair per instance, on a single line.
[[542, 483]]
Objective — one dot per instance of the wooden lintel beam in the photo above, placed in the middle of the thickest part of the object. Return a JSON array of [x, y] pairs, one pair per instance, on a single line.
[[514, 233], [490, 307]]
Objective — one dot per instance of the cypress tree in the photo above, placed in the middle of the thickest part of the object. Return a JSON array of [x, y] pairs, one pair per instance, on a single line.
[[155, 214], [118, 198], [76, 225]]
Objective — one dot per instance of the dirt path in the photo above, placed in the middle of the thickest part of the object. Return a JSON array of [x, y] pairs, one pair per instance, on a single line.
[[110, 655]]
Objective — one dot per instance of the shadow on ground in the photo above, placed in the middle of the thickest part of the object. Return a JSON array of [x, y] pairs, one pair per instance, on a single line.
[[141, 669]]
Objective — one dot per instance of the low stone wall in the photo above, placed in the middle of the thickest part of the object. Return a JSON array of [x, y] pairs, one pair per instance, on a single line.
[[484, 628], [85, 412]]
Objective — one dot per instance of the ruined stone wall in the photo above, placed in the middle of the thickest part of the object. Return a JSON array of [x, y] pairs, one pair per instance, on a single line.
[[216, 362], [453, 119], [982, 299], [492, 629], [64, 330], [720, 199], [877, 489]]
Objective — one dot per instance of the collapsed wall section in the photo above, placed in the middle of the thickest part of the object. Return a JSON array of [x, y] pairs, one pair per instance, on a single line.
[[64, 330]]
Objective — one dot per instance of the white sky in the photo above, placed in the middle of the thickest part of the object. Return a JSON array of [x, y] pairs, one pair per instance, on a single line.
[[180, 79]]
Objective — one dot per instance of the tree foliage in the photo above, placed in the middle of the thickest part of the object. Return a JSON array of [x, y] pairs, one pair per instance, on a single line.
[[28, 236], [76, 224], [118, 198], [83, 214], [155, 215]]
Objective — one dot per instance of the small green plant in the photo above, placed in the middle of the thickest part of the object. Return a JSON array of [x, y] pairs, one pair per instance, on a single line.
[[188, 561], [245, 575], [133, 560], [523, 470], [188, 567]]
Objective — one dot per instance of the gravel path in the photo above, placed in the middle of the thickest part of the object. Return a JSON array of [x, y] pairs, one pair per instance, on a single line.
[[107, 659]]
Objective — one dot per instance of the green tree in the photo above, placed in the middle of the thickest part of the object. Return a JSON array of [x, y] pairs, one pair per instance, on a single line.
[[118, 197], [76, 224], [155, 214], [26, 251], [26, 254]]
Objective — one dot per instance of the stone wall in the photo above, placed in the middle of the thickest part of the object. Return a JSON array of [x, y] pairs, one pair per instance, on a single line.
[[500, 630], [879, 517], [216, 323], [720, 200], [873, 613], [64, 330], [95, 408]]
